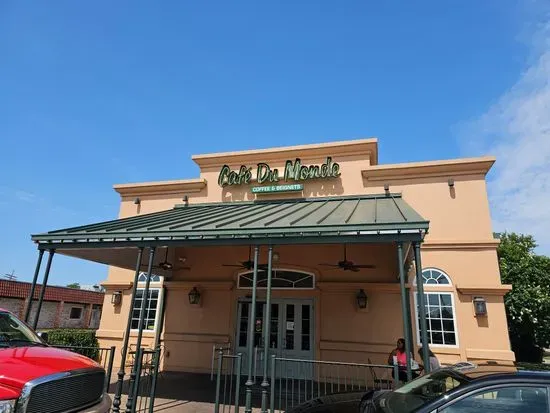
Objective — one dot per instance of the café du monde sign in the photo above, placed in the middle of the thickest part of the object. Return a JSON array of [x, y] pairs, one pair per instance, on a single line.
[[270, 179]]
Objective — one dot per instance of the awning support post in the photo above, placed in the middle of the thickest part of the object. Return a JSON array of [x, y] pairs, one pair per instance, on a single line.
[[121, 373], [144, 302], [33, 286], [267, 329], [251, 321], [405, 310], [422, 308], [43, 289]]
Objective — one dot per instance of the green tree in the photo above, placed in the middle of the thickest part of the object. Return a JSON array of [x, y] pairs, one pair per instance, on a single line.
[[528, 304], [76, 286]]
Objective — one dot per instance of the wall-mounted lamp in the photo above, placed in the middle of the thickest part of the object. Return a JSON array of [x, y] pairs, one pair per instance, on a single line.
[[480, 306], [194, 296], [116, 298], [275, 257], [137, 201], [185, 200], [387, 189], [451, 182], [362, 299]]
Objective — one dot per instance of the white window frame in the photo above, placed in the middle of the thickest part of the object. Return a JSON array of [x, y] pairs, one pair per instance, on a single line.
[[305, 273], [436, 289], [159, 302]]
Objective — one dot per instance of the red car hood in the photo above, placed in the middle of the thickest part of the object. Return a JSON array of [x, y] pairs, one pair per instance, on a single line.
[[18, 365]]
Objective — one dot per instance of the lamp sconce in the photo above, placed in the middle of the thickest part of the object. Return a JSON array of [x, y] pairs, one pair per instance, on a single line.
[[185, 200], [137, 201], [275, 257], [480, 307], [451, 182], [194, 296], [116, 298], [387, 189], [362, 299]]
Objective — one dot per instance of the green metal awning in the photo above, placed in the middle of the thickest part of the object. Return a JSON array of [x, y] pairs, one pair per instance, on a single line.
[[371, 218]]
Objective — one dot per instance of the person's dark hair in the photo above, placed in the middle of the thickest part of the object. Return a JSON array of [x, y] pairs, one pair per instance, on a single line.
[[430, 353], [401, 340]]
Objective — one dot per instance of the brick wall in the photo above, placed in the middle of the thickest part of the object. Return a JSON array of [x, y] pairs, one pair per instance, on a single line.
[[47, 314], [12, 304], [66, 322]]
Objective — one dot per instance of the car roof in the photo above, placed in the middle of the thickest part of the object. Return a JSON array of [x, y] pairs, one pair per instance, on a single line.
[[491, 369]]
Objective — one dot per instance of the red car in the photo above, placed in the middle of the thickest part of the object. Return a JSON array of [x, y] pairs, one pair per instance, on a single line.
[[37, 378]]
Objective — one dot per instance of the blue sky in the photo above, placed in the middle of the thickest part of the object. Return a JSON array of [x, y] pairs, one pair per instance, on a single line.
[[98, 93]]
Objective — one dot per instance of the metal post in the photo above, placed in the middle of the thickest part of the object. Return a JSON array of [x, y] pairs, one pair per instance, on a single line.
[[272, 395], [153, 391], [395, 376], [238, 384], [43, 289], [135, 390], [405, 310], [218, 382], [161, 319], [144, 300], [249, 383], [267, 329], [422, 308], [33, 286], [109, 371], [121, 373]]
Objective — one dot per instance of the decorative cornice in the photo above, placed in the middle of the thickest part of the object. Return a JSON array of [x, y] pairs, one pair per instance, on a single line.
[[460, 245], [346, 287], [117, 285], [484, 290], [184, 186], [356, 147], [208, 285], [431, 169]]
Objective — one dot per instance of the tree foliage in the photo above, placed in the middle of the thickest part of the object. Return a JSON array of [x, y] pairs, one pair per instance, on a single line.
[[528, 304], [76, 286]]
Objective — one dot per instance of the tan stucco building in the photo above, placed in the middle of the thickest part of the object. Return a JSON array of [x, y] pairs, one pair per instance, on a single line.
[[315, 311]]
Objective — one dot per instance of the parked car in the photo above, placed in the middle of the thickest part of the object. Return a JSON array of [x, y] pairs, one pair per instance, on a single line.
[[37, 378], [491, 387]]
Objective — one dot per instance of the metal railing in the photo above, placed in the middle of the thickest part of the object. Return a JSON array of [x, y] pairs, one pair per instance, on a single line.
[[295, 381], [104, 356], [228, 382], [147, 370]]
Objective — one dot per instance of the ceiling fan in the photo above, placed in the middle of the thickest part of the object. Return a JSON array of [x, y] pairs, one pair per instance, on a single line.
[[246, 265], [348, 265], [166, 265]]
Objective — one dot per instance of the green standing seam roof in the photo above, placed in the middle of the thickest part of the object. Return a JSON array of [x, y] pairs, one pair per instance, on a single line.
[[296, 218]]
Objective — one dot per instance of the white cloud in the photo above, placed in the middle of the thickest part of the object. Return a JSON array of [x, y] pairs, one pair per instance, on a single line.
[[517, 131], [24, 196]]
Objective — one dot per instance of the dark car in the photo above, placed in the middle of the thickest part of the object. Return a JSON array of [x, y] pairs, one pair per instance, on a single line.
[[491, 387]]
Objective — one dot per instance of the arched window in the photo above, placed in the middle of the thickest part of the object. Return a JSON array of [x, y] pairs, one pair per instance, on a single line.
[[432, 276], [143, 278], [440, 309], [151, 306], [281, 279]]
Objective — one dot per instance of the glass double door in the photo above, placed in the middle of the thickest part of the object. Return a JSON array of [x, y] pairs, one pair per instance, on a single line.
[[291, 333]]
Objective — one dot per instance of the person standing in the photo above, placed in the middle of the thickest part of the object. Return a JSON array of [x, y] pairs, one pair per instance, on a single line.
[[433, 362]]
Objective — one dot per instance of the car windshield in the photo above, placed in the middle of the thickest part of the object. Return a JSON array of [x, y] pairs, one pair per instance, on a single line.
[[418, 392], [14, 333]]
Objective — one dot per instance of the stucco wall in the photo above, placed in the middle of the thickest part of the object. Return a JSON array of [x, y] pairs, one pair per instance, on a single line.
[[459, 242]]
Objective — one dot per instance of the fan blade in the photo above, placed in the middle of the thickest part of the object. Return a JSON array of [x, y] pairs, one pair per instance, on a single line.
[[354, 269], [364, 266], [330, 265]]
